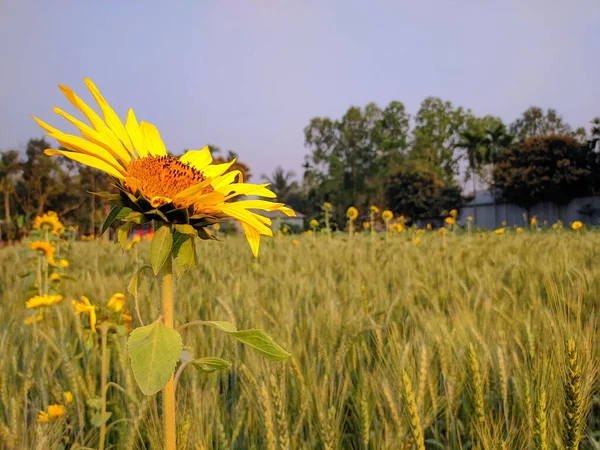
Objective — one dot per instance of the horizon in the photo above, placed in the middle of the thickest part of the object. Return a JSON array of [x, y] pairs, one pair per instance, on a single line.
[[266, 69]]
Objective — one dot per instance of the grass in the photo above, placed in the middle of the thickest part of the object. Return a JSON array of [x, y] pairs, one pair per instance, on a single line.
[[482, 342]]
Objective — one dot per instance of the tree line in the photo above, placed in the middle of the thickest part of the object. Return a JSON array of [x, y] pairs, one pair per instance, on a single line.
[[420, 166]]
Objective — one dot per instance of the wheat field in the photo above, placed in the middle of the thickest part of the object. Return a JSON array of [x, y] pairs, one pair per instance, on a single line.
[[484, 341]]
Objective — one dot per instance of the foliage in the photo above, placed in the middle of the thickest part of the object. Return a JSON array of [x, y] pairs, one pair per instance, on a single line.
[[417, 191], [552, 168], [535, 123]]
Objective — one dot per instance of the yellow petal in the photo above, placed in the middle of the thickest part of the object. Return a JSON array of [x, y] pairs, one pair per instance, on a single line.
[[247, 189], [238, 212], [216, 170], [225, 179], [198, 159], [152, 140], [87, 160], [253, 238], [110, 117], [133, 129], [264, 205], [95, 136]]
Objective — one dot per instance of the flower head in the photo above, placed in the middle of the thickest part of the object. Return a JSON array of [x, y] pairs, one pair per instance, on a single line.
[[500, 230], [374, 209], [387, 215], [533, 221], [449, 220], [54, 412], [314, 223], [577, 225], [519, 230], [352, 213], [429, 227], [49, 222], [55, 277], [453, 213], [42, 300], [366, 225], [295, 242], [159, 186], [327, 206], [84, 306], [68, 397], [44, 248], [63, 263], [31, 319], [116, 302], [443, 230], [469, 218]]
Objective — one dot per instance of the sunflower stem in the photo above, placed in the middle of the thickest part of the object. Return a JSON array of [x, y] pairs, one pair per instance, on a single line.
[[169, 389], [103, 381]]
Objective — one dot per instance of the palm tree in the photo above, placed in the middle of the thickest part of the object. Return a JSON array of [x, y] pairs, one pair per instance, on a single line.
[[282, 183]]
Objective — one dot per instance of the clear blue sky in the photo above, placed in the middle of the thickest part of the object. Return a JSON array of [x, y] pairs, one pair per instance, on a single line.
[[249, 75]]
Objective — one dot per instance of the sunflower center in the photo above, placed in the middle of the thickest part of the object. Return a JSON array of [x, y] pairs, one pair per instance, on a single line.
[[164, 176]]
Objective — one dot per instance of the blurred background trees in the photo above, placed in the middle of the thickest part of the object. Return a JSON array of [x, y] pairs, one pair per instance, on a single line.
[[419, 167]]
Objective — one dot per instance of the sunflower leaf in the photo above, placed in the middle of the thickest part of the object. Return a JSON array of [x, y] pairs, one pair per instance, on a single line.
[[210, 364], [186, 229], [259, 341], [160, 249], [186, 255], [154, 351], [135, 217], [112, 216], [123, 234]]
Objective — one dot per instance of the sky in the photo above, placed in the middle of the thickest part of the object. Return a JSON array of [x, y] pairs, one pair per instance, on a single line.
[[249, 75]]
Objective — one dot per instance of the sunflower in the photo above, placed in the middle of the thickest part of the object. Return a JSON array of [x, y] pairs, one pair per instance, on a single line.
[[154, 184], [42, 300], [387, 215], [577, 225], [116, 302], [85, 306], [54, 412], [352, 213], [49, 222], [314, 223], [374, 209], [45, 249]]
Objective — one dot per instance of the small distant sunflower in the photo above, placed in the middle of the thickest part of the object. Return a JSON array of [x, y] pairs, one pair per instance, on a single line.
[[453, 213], [374, 209], [49, 222], [387, 215], [314, 223], [327, 206], [519, 230], [449, 220], [84, 306], [54, 412], [366, 225], [42, 300], [55, 277], [159, 186], [116, 302], [577, 225], [31, 319], [469, 218], [45, 249], [352, 213], [63, 263], [500, 231]]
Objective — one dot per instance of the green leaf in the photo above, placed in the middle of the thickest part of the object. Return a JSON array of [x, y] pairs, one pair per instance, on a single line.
[[94, 402], [210, 364], [160, 249], [100, 419], [135, 217], [186, 255], [112, 216], [204, 234], [124, 213], [123, 234], [158, 213], [259, 341], [154, 350], [186, 229]]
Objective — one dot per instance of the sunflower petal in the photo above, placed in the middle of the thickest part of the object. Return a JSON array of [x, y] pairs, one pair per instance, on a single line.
[[152, 140], [238, 212], [253, 238], [133, 129], [88, 161], [198, 159], [247, 189], [110, 117], [215, 170]]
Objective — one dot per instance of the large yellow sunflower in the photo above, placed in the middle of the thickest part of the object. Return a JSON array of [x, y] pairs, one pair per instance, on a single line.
[[186, 190], [49, 222]]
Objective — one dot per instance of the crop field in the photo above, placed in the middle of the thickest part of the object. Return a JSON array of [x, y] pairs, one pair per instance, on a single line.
[[484, 341]]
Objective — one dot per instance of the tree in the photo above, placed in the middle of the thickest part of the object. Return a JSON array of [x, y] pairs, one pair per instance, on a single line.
[[534, 122], [10, 165], [349, 158], [418, 191], [436, 135], [282, 183], [594, 132], [43, 178], [551, 168]]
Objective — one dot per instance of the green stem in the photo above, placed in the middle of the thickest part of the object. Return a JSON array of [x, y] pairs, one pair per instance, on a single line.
[[169, 389], [103, 382]]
